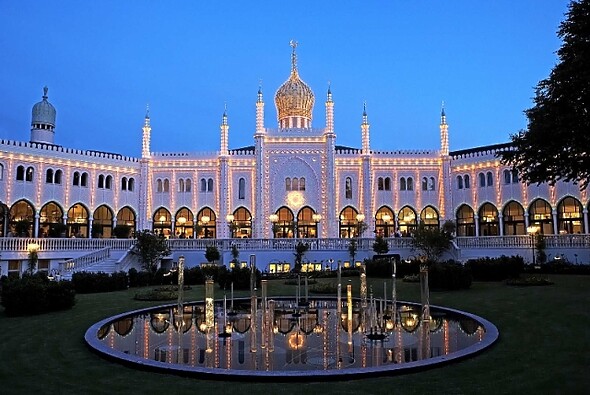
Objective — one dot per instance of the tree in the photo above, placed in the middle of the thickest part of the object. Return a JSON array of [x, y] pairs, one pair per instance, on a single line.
[[380, 245], [361, 227], [352, 249], [151, 248], [212, 254], [555, 145], [235, 254], [433, 241], [300, 250]]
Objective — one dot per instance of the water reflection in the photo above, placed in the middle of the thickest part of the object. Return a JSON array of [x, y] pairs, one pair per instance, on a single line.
[[279, 335]]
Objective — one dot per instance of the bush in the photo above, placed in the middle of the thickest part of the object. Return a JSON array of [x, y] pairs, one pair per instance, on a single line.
[[558, 266], [382, 268], [495, 269], [35, 295], [158, 294], [449, 276], [86, 282], [239, 276]]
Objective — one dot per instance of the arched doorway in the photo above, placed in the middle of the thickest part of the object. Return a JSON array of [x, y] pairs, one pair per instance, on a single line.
[[570, 217], [349, 223], [162, 222], [102, 223], [284, 226], [407, 221], [307, 227], [22, 219], [488, 220], [51, 221], [184, 224], [465, 221], [429, 217], [241, 225], [127, 222], [384, 222], [540, 216], [513, 218], [77, 221], [207, 222]]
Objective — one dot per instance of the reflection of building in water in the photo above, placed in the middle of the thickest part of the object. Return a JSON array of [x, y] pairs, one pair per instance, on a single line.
[[294, 181]]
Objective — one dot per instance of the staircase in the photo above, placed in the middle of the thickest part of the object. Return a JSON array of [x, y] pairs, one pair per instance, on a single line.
[[108, 265]]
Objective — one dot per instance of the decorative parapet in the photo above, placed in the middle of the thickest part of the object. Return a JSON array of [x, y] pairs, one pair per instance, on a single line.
[[486, 151]]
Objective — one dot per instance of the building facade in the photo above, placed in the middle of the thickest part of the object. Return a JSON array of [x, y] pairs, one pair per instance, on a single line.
[[295, 181]]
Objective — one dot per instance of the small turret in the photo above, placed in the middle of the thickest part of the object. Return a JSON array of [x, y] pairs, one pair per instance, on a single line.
[[43, 121]]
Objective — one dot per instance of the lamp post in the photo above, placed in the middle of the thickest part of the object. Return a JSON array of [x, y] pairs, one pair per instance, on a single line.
[[230, 224], [273, 221], [316, 218], [359, 219], [532, 230]]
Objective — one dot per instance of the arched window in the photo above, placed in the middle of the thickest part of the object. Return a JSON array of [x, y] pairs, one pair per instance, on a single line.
[[76, 179], [465, 221], [84, 179], [513, 218], [387, 184], [124, 183], [180, 185], [384, 222], [242, 223], [210, 185], [241, 188], [307, 227], [489, 178], [407, 221], [162, 222], [77, 221], [159, 187], [515, 178], [184, 224], [203, 185], [482, 180], [302, 184], [284, 227], [207, 221], [349, 224], [424, 183], [102, 224], [1, 171], [166, 185], [30, 174], [20, 173], [402, 184], [488, 220], [507, 177], [295, 184], [187, 185], [410, 183], [348, 188], [49, 176], [466, 181], [380, 185], [570, 217], [57, 177], [431, 184], [540, 216], [108, 182], [429, 217], [101, 181], [22, 219], [288, 184], [126, 217], [459, 182], [51, 220]]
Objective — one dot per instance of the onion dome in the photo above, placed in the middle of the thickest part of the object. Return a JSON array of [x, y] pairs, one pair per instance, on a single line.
[[294, 99], [43, 114]]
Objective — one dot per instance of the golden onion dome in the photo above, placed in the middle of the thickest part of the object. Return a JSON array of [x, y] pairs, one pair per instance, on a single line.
[[294, 98]]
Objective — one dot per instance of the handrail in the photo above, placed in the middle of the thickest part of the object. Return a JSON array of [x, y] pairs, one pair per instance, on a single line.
[[81, 262]]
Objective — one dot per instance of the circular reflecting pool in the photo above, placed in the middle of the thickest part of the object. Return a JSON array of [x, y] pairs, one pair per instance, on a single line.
[[280, 339]]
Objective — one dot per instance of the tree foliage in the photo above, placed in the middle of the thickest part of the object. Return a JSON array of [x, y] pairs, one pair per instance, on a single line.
[[300, 250], [380, 245], [352, 249], [212, 254], [555, 145], [433, 241], [150, 248]]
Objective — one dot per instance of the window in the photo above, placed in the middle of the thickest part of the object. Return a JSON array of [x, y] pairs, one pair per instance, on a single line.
[[76, 179], [507, 177], [387, 184], [402, 184], [124, 183], [288, 183], [241, 188], [431, 184], [49, 176], [466, 181], [159, 188], [84, 179], [410, 182], [459, 182], [166, 185], [1, 171], [380, 186], [482, 180], [515, 178], [20, 173], [29, 175], [348, 188], [109, 182], [180, 185], [101, 181], [57, 177], [424, 183], [187, 185], [203, 185], [490, 178], [131, 184], [302, 184], [295, 184], [210, 185]]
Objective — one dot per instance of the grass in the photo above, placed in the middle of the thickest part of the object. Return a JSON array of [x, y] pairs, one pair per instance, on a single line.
[[544, 348]]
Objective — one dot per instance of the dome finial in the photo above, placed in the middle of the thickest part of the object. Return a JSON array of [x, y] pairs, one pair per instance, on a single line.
[[364, 109], [45, 89], [442, 111], [147, 111], [293, 45]]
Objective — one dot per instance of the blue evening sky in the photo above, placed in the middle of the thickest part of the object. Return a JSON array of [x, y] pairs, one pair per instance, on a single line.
[[103, 61]]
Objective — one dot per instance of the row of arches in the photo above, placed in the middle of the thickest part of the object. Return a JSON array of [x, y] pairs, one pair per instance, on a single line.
[[53, 221]]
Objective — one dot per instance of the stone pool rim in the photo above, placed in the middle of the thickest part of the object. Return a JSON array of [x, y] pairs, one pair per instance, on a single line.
[[490, 338]]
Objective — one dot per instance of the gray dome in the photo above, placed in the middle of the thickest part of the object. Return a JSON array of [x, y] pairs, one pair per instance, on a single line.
[[43, 112]]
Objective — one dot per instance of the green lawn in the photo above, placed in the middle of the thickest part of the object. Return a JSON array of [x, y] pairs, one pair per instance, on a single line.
[[544, 347]]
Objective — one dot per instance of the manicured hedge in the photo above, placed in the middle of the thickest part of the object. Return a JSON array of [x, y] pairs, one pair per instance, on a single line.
[[35, 295], [86, 282], [496, 269]]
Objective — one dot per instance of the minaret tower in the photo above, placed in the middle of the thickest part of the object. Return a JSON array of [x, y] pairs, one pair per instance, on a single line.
[[224, 134], [365, 197], [224, 197], [444, 132], [147, 134], [329, 112], [365, 131], [260, 215], [43, 121], [145, 191], [260, 112], [329, 223]]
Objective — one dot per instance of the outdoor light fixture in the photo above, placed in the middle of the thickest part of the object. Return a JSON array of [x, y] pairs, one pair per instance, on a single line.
[[273, 218], [162, 218], [229, 218], [386, 218], [360, 217], [205, 219], [316, 217], [182, 220]]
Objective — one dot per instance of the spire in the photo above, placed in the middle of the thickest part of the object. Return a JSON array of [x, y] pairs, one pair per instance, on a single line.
[[259, 110], [444, 132], [329, 92], [365, 132], [45, 89], [443, 116], [329, 111], [293, 45], [224, 116], [147, 134], [260, 99], [365, 118], [147, 115], [224, 132]]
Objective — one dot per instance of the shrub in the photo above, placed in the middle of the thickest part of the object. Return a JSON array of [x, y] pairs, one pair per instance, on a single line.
[[157, 294], [382, 268], [86, 282], [239, 276], [495, 269], [36, 294], [449, 276], [324, 288]]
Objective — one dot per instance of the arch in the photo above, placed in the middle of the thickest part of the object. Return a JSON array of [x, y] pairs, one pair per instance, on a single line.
[[203, 185], [349, 224], [489, 179], [410, 183], [402, 184], [459, 182], [424, 183], [288, 184], [348, 188], [210, 185], [49, 176], [58, 176], [295, 184], [570, 217], [184, 223], [78, 221], [284, 228], [482, 180], [488, 220], [302, 183], [20, 173], [307, 227], [108, 183], [162, 222], [187, 185], [84, 179], [431, 184], [241, 188], [384, 222], [124, 183], [159, 187], [507, 176], [76, 179], [380, 184], [22, 219], [127, 217], [407, 221], [30, 174], [513, 218], [515, 178], [540, 215], [465, 221], [466, 181], [387, 184], [242, 223], [180, 185], [166, 186], [51, 220], [102, 224], [207, 220], [429, 217], [101, 181]]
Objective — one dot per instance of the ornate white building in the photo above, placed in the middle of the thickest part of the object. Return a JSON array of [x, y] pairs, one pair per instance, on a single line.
[[294, 182]]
